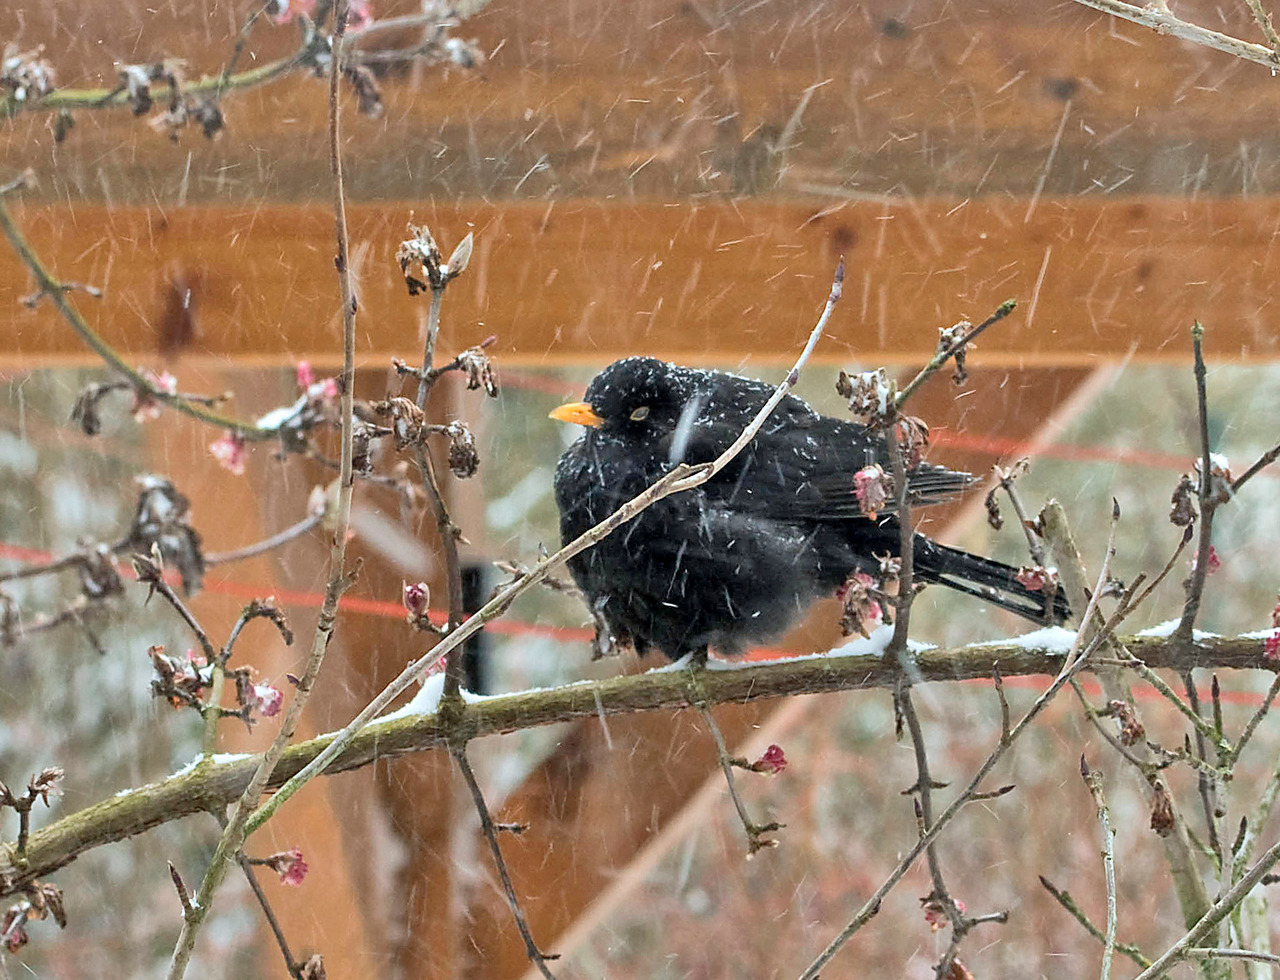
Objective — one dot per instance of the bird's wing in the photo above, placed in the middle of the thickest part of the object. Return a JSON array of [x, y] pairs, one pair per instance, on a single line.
[[803, 467]]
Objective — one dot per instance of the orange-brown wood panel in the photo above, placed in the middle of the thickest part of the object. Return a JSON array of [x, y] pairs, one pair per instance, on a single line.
[[586, 280], [600, 798], [670, 99]]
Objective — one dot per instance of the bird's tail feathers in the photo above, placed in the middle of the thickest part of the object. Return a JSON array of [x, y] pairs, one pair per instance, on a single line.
[[988, 579]]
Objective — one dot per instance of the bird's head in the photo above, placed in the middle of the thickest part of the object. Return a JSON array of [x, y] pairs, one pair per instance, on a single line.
[[637, 396]]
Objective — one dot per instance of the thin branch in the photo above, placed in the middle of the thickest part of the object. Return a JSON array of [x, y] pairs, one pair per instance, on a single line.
[[755, 832], [150, 575], [1264, 22], [1188, 883], [1206, 953], [1261, 463], [1159, 18], [267, 544], [536, 956], [948, 350], [1090, 712], [58, 296], [238, 828], [1215, 914], [242, 40], [1093, 779], [447, 530], [1195, 590], [680, 478], [1254, 720], [906, 549], [1034, 545], [1067, 902], [302, 58], [931, 833], [49, 567], [291, 964], [1206, 776]]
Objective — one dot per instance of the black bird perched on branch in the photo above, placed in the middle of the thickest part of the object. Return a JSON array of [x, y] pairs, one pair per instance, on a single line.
[[735, 561]]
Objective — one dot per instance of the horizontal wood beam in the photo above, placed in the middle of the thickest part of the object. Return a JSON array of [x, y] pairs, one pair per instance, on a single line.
[[588, 281], [670, 99]]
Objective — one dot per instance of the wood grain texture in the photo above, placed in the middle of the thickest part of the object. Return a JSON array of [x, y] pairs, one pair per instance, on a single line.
[[588, 281], [671, 99]]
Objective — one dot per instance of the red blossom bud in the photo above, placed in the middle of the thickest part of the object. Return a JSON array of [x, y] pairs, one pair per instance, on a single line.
[[289, 865], [306, 376], [267, 699], [230, 451], [417, 599], [772, 762]]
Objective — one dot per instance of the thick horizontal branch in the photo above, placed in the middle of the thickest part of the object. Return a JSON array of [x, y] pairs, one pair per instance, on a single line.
[[213, 785]]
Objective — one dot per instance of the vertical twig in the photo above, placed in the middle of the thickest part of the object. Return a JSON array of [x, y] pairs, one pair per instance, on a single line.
[[237, 828], [1093, 779], [445, 527], [536, 956], [277, 930], [1195, 590], [755, 832]]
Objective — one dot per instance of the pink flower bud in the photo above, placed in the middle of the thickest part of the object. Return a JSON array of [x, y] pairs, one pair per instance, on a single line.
[[306, 376], [871, 487], [230, 450], [417, 598], [772, 762], [289, 865], [268, 699]]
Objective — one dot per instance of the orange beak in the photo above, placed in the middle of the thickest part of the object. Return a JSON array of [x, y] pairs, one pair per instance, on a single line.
[[579, 413]]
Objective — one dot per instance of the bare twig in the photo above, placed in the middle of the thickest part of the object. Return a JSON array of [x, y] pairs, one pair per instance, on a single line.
[[1213, 916], [44, 568], [1064, 899], [242, 40], [1006, 477], [1206, 953], [238, 828], [536, 956], [1264, 22], [755, 832], [1187, 879], [58, 295], [1093, 779], [266, 544], [931, 833], [447, 530], [1254, 720], [948, 350], [923, 790], [1159, 18], [906, 550], [1208, 503], [264, 903], [151, 575], [1261, 463]]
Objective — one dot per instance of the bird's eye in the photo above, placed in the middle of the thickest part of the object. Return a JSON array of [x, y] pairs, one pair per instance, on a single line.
[[640, 414]]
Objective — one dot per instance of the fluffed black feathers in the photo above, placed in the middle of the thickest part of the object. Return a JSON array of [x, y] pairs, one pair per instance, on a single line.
[[736, 561]]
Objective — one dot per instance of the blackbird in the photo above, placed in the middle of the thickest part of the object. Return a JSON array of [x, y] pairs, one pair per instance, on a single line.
[[735, 561]]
